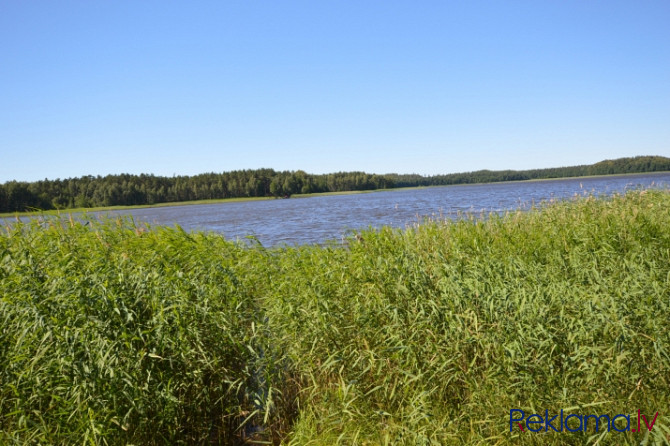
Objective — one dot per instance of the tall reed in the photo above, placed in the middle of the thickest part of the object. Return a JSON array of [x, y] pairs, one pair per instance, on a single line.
[[115, 333]]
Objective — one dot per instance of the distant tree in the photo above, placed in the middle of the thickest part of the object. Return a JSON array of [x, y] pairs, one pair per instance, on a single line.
[[126, 189]]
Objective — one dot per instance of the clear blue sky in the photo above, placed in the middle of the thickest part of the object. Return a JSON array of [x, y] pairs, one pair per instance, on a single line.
[[187, 87]]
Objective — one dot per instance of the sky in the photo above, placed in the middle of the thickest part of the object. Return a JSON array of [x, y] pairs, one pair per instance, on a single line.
[[427, 87]]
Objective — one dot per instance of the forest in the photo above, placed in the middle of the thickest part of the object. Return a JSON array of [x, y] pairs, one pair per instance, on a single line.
[[147, 189]]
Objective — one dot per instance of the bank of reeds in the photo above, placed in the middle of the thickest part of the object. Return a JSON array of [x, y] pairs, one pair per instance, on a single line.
[[114, 334], [111, 333]]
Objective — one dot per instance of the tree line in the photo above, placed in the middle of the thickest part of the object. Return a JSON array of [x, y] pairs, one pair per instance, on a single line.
[[130, 190]]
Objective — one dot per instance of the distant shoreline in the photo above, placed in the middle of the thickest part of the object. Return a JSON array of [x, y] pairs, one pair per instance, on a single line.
[[317, 194]]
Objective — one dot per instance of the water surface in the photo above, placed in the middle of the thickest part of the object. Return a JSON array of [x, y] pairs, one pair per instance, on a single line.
[[318, 219]]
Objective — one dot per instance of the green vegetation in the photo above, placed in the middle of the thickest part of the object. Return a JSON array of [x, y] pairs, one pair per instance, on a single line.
[[137, 190], [113, 333], [39, 212], [172, 204]]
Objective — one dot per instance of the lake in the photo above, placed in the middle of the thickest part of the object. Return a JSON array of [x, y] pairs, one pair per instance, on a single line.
[[318, 219]]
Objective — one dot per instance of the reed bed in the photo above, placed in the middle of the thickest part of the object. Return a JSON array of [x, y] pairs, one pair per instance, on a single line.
[[114, 333]]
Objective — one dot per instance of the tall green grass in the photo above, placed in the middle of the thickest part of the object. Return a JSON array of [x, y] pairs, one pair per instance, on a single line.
[[111, 333]]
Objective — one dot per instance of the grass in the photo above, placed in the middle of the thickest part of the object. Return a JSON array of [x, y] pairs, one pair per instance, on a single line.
[[115, 333], [39, 212], [58, 212]]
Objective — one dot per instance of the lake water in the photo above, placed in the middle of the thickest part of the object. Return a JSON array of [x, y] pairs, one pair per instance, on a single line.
[[318, 219]]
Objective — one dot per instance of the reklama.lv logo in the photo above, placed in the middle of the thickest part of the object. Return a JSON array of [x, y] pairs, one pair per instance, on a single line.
[[576, 422]]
